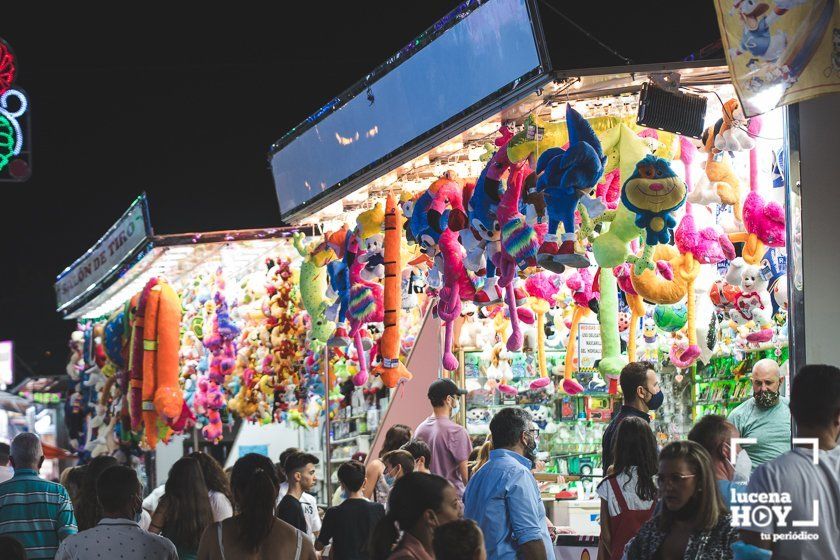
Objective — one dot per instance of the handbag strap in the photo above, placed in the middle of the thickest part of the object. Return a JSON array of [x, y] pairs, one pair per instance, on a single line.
[[299, 544], [219, 536]]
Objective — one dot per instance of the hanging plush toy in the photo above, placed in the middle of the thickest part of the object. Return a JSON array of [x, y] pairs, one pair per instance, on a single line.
[[366, 306], [338, 271], [653, 193], [391, 370], [162, 397], [313, 287], [369, 229], [482, 213], [764, 221], [519, 245], [447, 200], [586, 299], [542, 287], [566, 178]]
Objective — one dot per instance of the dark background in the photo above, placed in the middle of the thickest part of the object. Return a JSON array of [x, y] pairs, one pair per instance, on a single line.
[[184, 102]]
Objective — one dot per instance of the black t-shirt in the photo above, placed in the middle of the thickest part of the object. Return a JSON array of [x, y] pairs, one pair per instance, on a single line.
[[291, 512], [607, 441], [349, 525]]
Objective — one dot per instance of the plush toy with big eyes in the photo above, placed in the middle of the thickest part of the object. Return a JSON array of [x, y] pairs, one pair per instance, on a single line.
[[653, 193]]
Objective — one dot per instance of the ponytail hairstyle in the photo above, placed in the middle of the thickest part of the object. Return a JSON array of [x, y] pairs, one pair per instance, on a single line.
[[255, 485], [411, 497]]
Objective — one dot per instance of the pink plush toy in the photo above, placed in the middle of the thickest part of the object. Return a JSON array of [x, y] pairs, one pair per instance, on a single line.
[[765, 220], [583, 292], [519, 247], [366, 306], [610, 190], [448, 195]]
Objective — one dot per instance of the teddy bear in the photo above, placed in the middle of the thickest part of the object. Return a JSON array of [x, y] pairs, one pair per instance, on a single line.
[[753, 304], [478, 421]]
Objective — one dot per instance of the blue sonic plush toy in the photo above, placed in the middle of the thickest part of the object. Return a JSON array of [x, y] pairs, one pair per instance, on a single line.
[[653, 192], [566, 178]]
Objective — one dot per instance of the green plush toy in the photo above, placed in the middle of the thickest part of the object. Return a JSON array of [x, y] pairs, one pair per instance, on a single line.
[[624, 149], [313, 286]]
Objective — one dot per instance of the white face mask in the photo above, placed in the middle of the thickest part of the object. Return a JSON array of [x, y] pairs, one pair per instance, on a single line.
[[457, 408], [743, 467]]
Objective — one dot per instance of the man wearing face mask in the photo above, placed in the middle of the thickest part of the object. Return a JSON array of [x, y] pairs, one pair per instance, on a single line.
[[765, 416], [640, 387], [117, 534], [503, 496], [449, 441], [715, 434]]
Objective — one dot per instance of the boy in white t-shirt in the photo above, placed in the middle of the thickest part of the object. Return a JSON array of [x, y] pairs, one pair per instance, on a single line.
[[307, 501]]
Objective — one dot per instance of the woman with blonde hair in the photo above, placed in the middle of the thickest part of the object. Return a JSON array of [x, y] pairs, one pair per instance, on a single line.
[[694, 523]]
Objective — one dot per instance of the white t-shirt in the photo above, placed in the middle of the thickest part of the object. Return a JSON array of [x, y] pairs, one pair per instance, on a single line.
[[627, 483], [221, 506], [794, 473], [310, 510]]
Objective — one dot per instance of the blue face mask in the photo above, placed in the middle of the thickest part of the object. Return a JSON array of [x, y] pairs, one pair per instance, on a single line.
[[389, 479]]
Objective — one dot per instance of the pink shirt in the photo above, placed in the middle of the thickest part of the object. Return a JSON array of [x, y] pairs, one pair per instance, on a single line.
[[450, 447]]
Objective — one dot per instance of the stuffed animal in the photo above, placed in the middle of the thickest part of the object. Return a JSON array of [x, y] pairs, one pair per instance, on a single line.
[[567, 178], [456, 282], [519, 245], [391, 370], [753, 304], [653, 193], [338, 271], [369, 229], [540, 415], [732, 136], [764, 221], [478, 421], [313, 288], [482, 214], [542, 287]]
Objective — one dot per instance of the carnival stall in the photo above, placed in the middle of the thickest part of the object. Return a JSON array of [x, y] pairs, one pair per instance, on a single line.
[[558, 239]]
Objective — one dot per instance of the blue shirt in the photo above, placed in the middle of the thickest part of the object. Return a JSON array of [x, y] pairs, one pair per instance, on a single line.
[[36, 512], [503, 498]]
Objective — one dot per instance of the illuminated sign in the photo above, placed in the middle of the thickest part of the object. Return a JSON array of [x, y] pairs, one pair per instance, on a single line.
[[14, 121], [131, 232]]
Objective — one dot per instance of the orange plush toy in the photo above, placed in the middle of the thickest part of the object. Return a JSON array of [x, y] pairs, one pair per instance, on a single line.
[[161, 342], [391, 370]]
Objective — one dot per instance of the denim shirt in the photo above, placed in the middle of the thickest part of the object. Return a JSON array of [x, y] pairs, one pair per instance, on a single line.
[[503, 498]]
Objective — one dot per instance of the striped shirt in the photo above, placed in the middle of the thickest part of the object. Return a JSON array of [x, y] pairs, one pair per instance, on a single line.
[[36, 512]]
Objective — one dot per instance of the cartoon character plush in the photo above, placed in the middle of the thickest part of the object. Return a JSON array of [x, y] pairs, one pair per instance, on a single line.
[[482, 214], [369, 229], [478, 421], [653, 193], [540, 415], [567, 178]]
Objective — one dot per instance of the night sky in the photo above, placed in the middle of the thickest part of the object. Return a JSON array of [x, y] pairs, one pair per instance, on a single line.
[[183, 103]]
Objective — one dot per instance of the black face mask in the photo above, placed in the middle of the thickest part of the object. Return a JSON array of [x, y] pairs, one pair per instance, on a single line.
[[531, 451]]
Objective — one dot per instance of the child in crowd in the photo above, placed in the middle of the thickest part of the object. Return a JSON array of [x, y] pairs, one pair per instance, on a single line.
[[459, 540], [350, 524]]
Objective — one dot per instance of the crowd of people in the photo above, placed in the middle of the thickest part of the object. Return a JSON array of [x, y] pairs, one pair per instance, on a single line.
[[431, 495]]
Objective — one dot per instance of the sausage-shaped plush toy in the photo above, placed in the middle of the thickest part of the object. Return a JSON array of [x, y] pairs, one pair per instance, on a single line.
[[162, 397], [391, 370]]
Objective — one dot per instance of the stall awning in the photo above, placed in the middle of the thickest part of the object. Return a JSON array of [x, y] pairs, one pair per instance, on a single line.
[[129, 254]]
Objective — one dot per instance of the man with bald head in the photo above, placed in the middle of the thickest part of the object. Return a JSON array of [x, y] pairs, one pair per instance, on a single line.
[[765, 416]]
